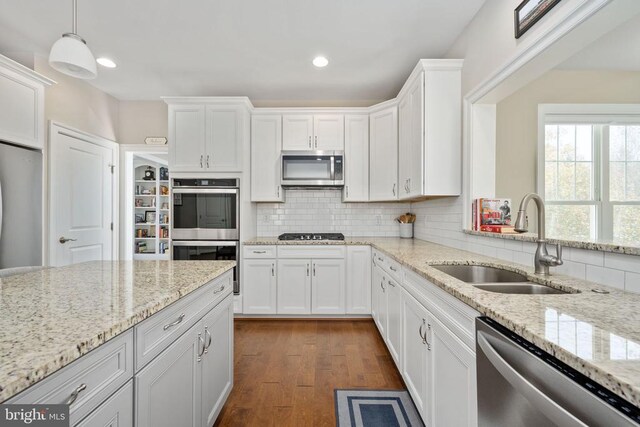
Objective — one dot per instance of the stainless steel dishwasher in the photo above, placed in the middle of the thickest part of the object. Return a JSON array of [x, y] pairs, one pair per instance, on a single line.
[[519, 384]]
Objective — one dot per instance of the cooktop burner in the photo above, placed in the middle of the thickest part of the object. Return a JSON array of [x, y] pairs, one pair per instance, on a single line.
[[311, 236]]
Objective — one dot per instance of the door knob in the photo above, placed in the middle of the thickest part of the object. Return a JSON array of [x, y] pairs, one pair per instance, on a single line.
[[64, 240]]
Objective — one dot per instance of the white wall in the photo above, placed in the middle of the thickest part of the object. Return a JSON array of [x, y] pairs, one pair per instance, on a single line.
[[140, 119]]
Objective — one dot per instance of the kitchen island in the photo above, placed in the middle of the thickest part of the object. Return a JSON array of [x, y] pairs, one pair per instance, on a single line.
[[54, 320]]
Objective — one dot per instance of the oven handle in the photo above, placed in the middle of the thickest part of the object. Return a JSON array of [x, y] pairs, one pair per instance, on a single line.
[[183, 190], [202, 243]]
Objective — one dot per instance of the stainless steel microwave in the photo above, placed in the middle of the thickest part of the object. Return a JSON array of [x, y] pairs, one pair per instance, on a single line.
[[312, 169]]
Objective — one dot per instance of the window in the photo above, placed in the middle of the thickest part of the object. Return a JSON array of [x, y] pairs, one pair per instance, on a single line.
[[589, 171]]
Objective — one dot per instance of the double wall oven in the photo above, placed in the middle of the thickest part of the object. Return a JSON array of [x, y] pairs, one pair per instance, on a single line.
[[206, 221]]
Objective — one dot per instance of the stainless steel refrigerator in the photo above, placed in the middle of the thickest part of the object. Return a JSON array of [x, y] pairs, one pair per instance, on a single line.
[[20, 206]]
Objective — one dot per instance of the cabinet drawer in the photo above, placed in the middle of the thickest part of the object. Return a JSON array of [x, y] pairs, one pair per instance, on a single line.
[[389, 265], [312, 251], [95, 375], [117, 411], [156, 333], [259, 252]]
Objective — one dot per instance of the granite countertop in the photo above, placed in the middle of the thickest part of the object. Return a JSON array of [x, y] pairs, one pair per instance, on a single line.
[[51, 317], [596, 334]]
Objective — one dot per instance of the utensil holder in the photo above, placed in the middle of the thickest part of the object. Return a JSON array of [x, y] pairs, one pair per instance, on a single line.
[[406, 231]]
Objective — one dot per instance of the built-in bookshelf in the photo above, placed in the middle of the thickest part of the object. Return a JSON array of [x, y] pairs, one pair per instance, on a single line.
[[151, 206]]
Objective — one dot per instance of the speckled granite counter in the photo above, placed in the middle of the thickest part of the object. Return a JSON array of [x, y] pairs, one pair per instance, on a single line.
[[596, 334], [50, 318]]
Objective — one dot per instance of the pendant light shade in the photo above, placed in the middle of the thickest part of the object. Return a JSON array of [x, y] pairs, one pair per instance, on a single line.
[[70, 54]]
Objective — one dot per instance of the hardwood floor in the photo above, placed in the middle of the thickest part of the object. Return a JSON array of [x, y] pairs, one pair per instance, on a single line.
[[286, 370]]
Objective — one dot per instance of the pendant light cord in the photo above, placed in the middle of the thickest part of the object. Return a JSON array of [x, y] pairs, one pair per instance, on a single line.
[[75, 17]]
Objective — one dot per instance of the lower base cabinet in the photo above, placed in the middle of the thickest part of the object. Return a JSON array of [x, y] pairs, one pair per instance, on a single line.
[[117, 411], [187, 384], [394, 320]]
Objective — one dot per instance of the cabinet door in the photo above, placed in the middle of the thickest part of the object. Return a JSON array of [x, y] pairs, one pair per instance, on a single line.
[[414, 365], [294, 286], [381, 301], [297, 132], [187, 145], [358, 280], [327, 286], [394, 320], [383, 155], [451, 378], [168, 389], [217, 360], [404, 146], [259, 286], [356, 153], [116, 411], [376, 281], [266, 170], [224, 139], [415, 161], [328, 132]]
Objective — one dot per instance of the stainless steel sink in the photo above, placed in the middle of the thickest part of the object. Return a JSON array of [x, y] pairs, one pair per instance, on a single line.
[[496, 280]]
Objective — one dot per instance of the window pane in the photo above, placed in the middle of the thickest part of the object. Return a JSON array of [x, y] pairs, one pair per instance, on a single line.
[[633, 181], [633, 143], [566, 142], [551, 142], [626, 224], [616, 181], [584, 142], [566, 177], [550, 180], [571, 222], [616, 143], [583, 181]]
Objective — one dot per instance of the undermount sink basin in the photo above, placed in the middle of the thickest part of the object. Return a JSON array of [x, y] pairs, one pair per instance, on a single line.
[[496, 280]]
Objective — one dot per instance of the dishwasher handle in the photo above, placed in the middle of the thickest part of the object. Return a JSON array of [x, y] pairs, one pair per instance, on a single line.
[[537, 398]]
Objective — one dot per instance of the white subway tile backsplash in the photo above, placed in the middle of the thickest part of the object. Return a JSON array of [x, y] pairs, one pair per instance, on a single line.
[[632, 282], [606, 276], [622, 262], [586, 257]]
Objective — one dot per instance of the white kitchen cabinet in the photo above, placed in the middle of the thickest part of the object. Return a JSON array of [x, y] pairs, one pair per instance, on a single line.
[[187, 144], [410, 146], [376, 280], [224, 135], [358, 282], [414, 366], [116, 411], [393, 292], [294, 286], [22, 93], [266, 170], [356, 153], [383, 154], [328, 286], [378, 290], [259, 286], [304, 132]]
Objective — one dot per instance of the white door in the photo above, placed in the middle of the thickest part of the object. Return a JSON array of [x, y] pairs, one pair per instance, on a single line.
[[327, 286], [383, 155], [266, 169], [394, 320], [356, 153], [223, 139], [82, 197], [414, 366], [297, 132], [294, 286], [259, 286], [328, 132], [358, 280], [217, 360], [187, 144], [451, 378]]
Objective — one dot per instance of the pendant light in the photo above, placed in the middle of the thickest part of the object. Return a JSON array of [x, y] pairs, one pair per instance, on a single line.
[[70, 54]]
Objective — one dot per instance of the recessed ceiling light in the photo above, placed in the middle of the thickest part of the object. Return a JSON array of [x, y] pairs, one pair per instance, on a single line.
[[320, 61], [106, 62]]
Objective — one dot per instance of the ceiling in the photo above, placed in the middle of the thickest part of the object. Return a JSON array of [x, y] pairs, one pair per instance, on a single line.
[[258, 48]]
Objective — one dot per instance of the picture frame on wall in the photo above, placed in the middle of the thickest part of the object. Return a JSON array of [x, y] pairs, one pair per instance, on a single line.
[[529, 12]]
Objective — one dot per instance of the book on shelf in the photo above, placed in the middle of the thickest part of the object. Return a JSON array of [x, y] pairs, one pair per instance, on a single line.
[[501, 229], [487, 211]]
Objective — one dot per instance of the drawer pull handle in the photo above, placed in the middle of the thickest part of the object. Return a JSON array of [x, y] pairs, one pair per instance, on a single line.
[[259, 252], [207, 332], [219, 290], [75, 394], [422, 336], [200, 353], [391, 283], [176, 322], [380, 259], [392, 268]]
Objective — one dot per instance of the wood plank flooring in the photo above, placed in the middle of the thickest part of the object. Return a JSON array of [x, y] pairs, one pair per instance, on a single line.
[[286, 370]]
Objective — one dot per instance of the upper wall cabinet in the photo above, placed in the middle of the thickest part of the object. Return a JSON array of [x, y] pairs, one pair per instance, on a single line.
[[383, 153], [304, 132], [266, 143], [22, 118], [430, 146], [356, 153], [207, 136]]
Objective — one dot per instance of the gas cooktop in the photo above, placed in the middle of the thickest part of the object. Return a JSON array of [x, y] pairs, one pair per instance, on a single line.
[[311, 236]]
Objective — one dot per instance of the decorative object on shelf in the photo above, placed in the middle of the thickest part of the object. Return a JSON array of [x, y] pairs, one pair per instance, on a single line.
[[490, 212], [529, 12], [155, 140], [164, 174], [165, 205], [70, 54], [406, 225], [150, 217], [164, 190], [138, 203], [149, 174], [153, 202], [139, 218]]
